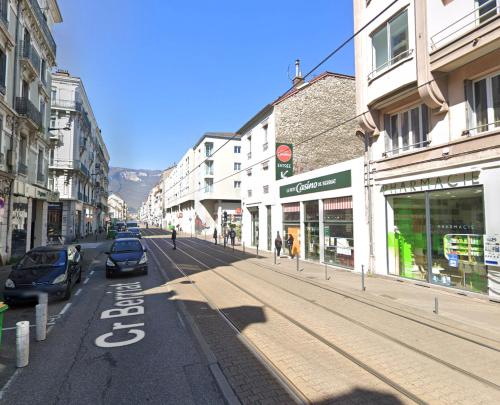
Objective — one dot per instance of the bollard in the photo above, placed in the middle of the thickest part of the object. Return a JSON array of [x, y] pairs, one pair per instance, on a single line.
[[22, 343], [297, 262], [274, 256], [436, 306], [41, 322], [243, 246], [43, 298], [257, 255], [363, 288], [326, 272]]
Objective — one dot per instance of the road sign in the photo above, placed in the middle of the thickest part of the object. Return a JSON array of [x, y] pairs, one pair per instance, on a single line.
[[284, 160]]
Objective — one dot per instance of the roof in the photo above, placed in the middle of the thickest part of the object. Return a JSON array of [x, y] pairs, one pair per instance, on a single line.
[[217, 135], [301, 87], [267, 110]]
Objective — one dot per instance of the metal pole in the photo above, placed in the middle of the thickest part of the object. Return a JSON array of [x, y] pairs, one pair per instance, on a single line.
[[41, 322], [274, 256], [297, 262], [243, 246], [326, 272], [257, 255], [436, 306], [363, 288], [22, 343]]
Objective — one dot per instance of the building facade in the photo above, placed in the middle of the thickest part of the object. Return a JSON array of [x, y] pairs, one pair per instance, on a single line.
[[428, 91], [79, 165], [117, 207], [27, 53]]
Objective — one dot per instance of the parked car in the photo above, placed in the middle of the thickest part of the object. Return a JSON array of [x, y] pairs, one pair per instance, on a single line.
[[136, 232], [124, 234], [50, 269], [120, 226], [126, 256]]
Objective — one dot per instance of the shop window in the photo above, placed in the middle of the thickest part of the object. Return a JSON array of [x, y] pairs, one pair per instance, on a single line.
[[486, 104], [406, 130], [338, 229], [390, 43]]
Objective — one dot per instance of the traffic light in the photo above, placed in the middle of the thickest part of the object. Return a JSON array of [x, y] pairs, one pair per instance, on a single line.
[[225, 216]]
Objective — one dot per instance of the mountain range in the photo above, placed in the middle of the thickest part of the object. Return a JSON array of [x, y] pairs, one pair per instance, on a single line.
[[132, 185]]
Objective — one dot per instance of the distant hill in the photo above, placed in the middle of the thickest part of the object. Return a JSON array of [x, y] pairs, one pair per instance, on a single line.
[[132, 185]]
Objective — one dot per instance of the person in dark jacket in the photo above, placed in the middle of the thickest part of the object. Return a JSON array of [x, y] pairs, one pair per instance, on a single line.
[[232, 235], [289, 245], [174, 238], [278, 243], [215, 236]]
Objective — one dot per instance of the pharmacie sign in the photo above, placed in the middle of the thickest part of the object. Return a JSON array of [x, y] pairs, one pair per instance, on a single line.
[[284, 160], [318, 184], [432, 184]]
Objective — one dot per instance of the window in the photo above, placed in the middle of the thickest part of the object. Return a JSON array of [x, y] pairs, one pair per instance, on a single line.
[[486, 103], [265, 165], [237, 166], [4, 7], [406, 130], [249, 192], [249, 172], [3, 71], [209, 185], [265, 145], [487, 9], [42, 111], [237, 149], [209, 167], [265, 189], [43, 70], [209, 146], [54, 93], [390, 42], [237, 184]]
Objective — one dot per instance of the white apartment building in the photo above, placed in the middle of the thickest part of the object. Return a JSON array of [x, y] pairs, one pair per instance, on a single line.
[[117, 208], [428, 86], [27, 52], [79, 165], [205, 184]]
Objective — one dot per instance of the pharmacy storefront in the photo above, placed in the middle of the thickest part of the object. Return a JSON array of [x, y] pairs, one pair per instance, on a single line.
[[324, 211], [436, 229]]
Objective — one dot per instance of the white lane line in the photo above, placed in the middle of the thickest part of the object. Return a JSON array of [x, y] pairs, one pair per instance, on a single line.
[[9, 382], [66, 307], [78, 292], [92, 272], [86, 280], [180, 320]]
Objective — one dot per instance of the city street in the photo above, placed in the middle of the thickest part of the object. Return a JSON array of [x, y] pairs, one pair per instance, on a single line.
[[209, 324]]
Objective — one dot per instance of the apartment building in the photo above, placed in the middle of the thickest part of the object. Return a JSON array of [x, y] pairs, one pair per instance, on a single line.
[[428, 89], [79, 164], [27, 52], [204, 184], [296, 137], [117, 207]]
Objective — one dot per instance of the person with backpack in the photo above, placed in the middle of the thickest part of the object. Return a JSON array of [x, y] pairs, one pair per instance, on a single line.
[[174, 238], [278, 243], [289, 245], [232, 235]]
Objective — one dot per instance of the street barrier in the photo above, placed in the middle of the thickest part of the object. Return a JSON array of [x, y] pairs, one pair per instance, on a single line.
[[41, 322], [22, 343]]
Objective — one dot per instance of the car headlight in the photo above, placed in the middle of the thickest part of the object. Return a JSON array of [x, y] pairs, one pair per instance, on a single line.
[[144, 258], [9, 283], [110, 263], [61, 278]]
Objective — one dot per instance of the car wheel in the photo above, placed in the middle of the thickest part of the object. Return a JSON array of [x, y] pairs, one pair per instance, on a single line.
[[108, 274], [67, 293]]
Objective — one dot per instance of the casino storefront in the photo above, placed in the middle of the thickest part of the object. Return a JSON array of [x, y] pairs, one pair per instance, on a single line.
[[324, 212]]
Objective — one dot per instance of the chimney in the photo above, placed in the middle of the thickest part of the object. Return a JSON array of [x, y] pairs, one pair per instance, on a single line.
[[297, 80]]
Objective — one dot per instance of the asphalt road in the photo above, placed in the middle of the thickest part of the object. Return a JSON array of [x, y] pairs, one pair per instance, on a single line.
[[119, 341]]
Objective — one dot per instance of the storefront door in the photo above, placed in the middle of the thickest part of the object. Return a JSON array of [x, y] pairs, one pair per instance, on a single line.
[[255, 226], [291, 226], [311, 227], [54, 221]]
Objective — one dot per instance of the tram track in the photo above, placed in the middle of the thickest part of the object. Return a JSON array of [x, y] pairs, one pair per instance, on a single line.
[[365, 301], [336, 348], [358, 323]]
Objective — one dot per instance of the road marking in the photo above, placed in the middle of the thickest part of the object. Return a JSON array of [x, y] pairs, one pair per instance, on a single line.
[[86, 280], [180, 320], [9, 382], [78, 292], [66, 307], [92, 272]]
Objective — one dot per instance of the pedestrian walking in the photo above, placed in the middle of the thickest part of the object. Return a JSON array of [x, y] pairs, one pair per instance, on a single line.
[[174, 238], [289, 245], [278, 243], [215, 236], [232, 235], [226, 237]]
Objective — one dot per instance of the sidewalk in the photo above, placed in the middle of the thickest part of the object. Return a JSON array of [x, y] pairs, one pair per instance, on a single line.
[[471, 313]]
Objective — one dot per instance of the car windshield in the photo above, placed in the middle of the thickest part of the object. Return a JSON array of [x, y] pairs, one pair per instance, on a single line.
[[37, 259], [127, 246]]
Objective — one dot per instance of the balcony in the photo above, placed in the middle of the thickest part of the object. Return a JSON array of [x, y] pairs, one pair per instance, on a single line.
[[27, 109], [67, 104], [65, 164], [29, 59], [40, 18], [84, 170], [22, 169], [474, 34]]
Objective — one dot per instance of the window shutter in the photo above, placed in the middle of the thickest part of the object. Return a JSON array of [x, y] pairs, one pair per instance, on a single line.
[[469, 104], [3, 68], [388, 135]]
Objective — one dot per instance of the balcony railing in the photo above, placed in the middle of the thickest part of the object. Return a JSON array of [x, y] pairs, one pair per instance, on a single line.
[[27, 109], [65, 164], [84, 169], [67, 104], [22, 168], [28, 52], [479, 15], [43, 23]]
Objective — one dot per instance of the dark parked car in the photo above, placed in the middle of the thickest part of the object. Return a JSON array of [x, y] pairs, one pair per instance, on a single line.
[[125, 234], [120, 226], [126, 256], [50, 269], [136, 232]]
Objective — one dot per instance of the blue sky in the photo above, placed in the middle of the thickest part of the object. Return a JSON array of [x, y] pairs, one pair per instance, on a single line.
[[161, 74]]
